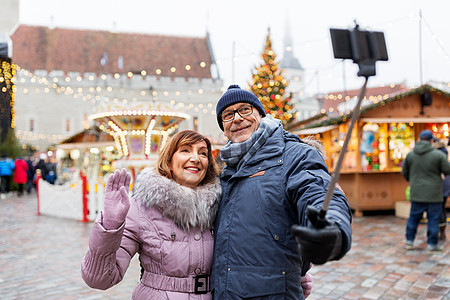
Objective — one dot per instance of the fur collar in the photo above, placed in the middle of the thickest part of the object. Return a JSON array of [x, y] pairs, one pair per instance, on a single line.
[[187, 207], [316, 144]]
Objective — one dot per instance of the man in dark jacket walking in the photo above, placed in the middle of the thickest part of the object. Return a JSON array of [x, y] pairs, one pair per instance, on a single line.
[[271, 181], [423, 168]]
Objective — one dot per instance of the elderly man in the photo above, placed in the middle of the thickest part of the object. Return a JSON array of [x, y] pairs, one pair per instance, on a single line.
[[271, 181]]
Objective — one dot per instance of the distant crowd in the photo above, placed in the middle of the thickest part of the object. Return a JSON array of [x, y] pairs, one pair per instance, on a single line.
[[23, 172]]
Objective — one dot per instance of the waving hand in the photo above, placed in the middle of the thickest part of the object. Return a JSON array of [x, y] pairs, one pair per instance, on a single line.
[[117, 202]]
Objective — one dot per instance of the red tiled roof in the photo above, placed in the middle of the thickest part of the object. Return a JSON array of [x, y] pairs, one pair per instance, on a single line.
[[335, 98], [72, 50]]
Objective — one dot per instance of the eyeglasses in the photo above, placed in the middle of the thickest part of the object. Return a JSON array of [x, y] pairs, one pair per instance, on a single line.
[[243, 111]]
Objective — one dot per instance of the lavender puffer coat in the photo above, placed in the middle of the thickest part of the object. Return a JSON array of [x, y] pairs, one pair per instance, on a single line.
[[170, 226]]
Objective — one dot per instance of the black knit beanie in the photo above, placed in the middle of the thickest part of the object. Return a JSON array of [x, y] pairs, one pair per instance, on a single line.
[[233, 95]]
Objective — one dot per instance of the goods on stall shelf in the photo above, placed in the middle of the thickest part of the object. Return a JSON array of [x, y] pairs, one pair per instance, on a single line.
[[401, 142], [372, 136], [335, 146], [382, 146], [376, 138]]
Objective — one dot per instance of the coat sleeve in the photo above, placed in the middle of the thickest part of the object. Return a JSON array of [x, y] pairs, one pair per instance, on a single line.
[[110, 251], [405, 168], [445, 165], [307, 183]]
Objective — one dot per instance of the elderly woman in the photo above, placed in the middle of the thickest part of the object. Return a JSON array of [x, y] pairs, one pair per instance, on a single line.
[[168, 222]]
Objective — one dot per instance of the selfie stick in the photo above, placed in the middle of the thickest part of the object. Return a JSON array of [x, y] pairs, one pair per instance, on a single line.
[[365, 48], [337, 169]]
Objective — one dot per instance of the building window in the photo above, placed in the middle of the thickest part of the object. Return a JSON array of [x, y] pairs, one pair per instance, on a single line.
[[195, 120], [32, 128], [85, 121], [67, 125]]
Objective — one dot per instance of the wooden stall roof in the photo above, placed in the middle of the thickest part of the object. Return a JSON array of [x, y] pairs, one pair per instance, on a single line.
[[90, 135], [333, 99]]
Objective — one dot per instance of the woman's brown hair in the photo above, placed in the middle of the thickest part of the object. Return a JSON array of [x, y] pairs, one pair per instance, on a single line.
[[186, 137]]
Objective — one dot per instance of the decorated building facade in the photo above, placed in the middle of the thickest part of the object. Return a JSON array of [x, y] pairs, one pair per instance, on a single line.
[[64, 76]]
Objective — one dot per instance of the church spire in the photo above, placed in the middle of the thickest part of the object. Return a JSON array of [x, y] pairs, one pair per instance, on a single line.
[[289, 61]]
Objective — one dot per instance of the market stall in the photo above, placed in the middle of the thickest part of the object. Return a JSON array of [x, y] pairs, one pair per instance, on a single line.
[[90, 151], [385, 133]]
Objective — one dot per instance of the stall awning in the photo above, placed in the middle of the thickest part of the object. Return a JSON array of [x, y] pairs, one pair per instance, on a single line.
[[69, 146], [314, 130]]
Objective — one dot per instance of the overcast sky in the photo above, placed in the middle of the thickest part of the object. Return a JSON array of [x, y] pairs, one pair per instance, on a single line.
[[244, 23]]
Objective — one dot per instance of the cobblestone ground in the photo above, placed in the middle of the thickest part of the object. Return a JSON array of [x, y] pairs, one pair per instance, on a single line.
[[40, 259]]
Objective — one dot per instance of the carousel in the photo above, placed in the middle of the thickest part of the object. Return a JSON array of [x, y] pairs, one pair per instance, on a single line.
[[139, 129]]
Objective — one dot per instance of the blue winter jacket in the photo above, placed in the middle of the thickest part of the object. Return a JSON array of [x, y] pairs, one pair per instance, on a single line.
[[6, 166], [255, 255]]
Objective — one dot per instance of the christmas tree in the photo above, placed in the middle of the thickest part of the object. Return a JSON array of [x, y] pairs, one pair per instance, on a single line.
[[270, 86]]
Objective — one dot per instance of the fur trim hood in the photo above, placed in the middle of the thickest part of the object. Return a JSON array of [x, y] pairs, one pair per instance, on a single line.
[[187, 207], [316, 144]]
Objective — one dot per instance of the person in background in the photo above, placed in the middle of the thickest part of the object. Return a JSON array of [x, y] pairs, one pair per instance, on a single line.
[[20, 174], [272, 180], [423, 168], [51, 171], [6, 170], [440, 145], [30, 174], [168, 221], [42, 165]]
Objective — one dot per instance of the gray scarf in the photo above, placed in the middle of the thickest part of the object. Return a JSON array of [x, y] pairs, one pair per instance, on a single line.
[[236, 154]]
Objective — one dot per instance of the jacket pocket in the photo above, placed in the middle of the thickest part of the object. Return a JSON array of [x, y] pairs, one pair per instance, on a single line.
[[249, 282], [274, 209]]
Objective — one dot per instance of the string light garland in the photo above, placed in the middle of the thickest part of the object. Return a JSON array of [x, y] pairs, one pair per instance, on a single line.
[[89, 93], [439, 42], [33, 136]]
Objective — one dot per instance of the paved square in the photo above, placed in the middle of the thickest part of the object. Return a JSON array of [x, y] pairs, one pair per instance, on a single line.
[[40, 258]]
